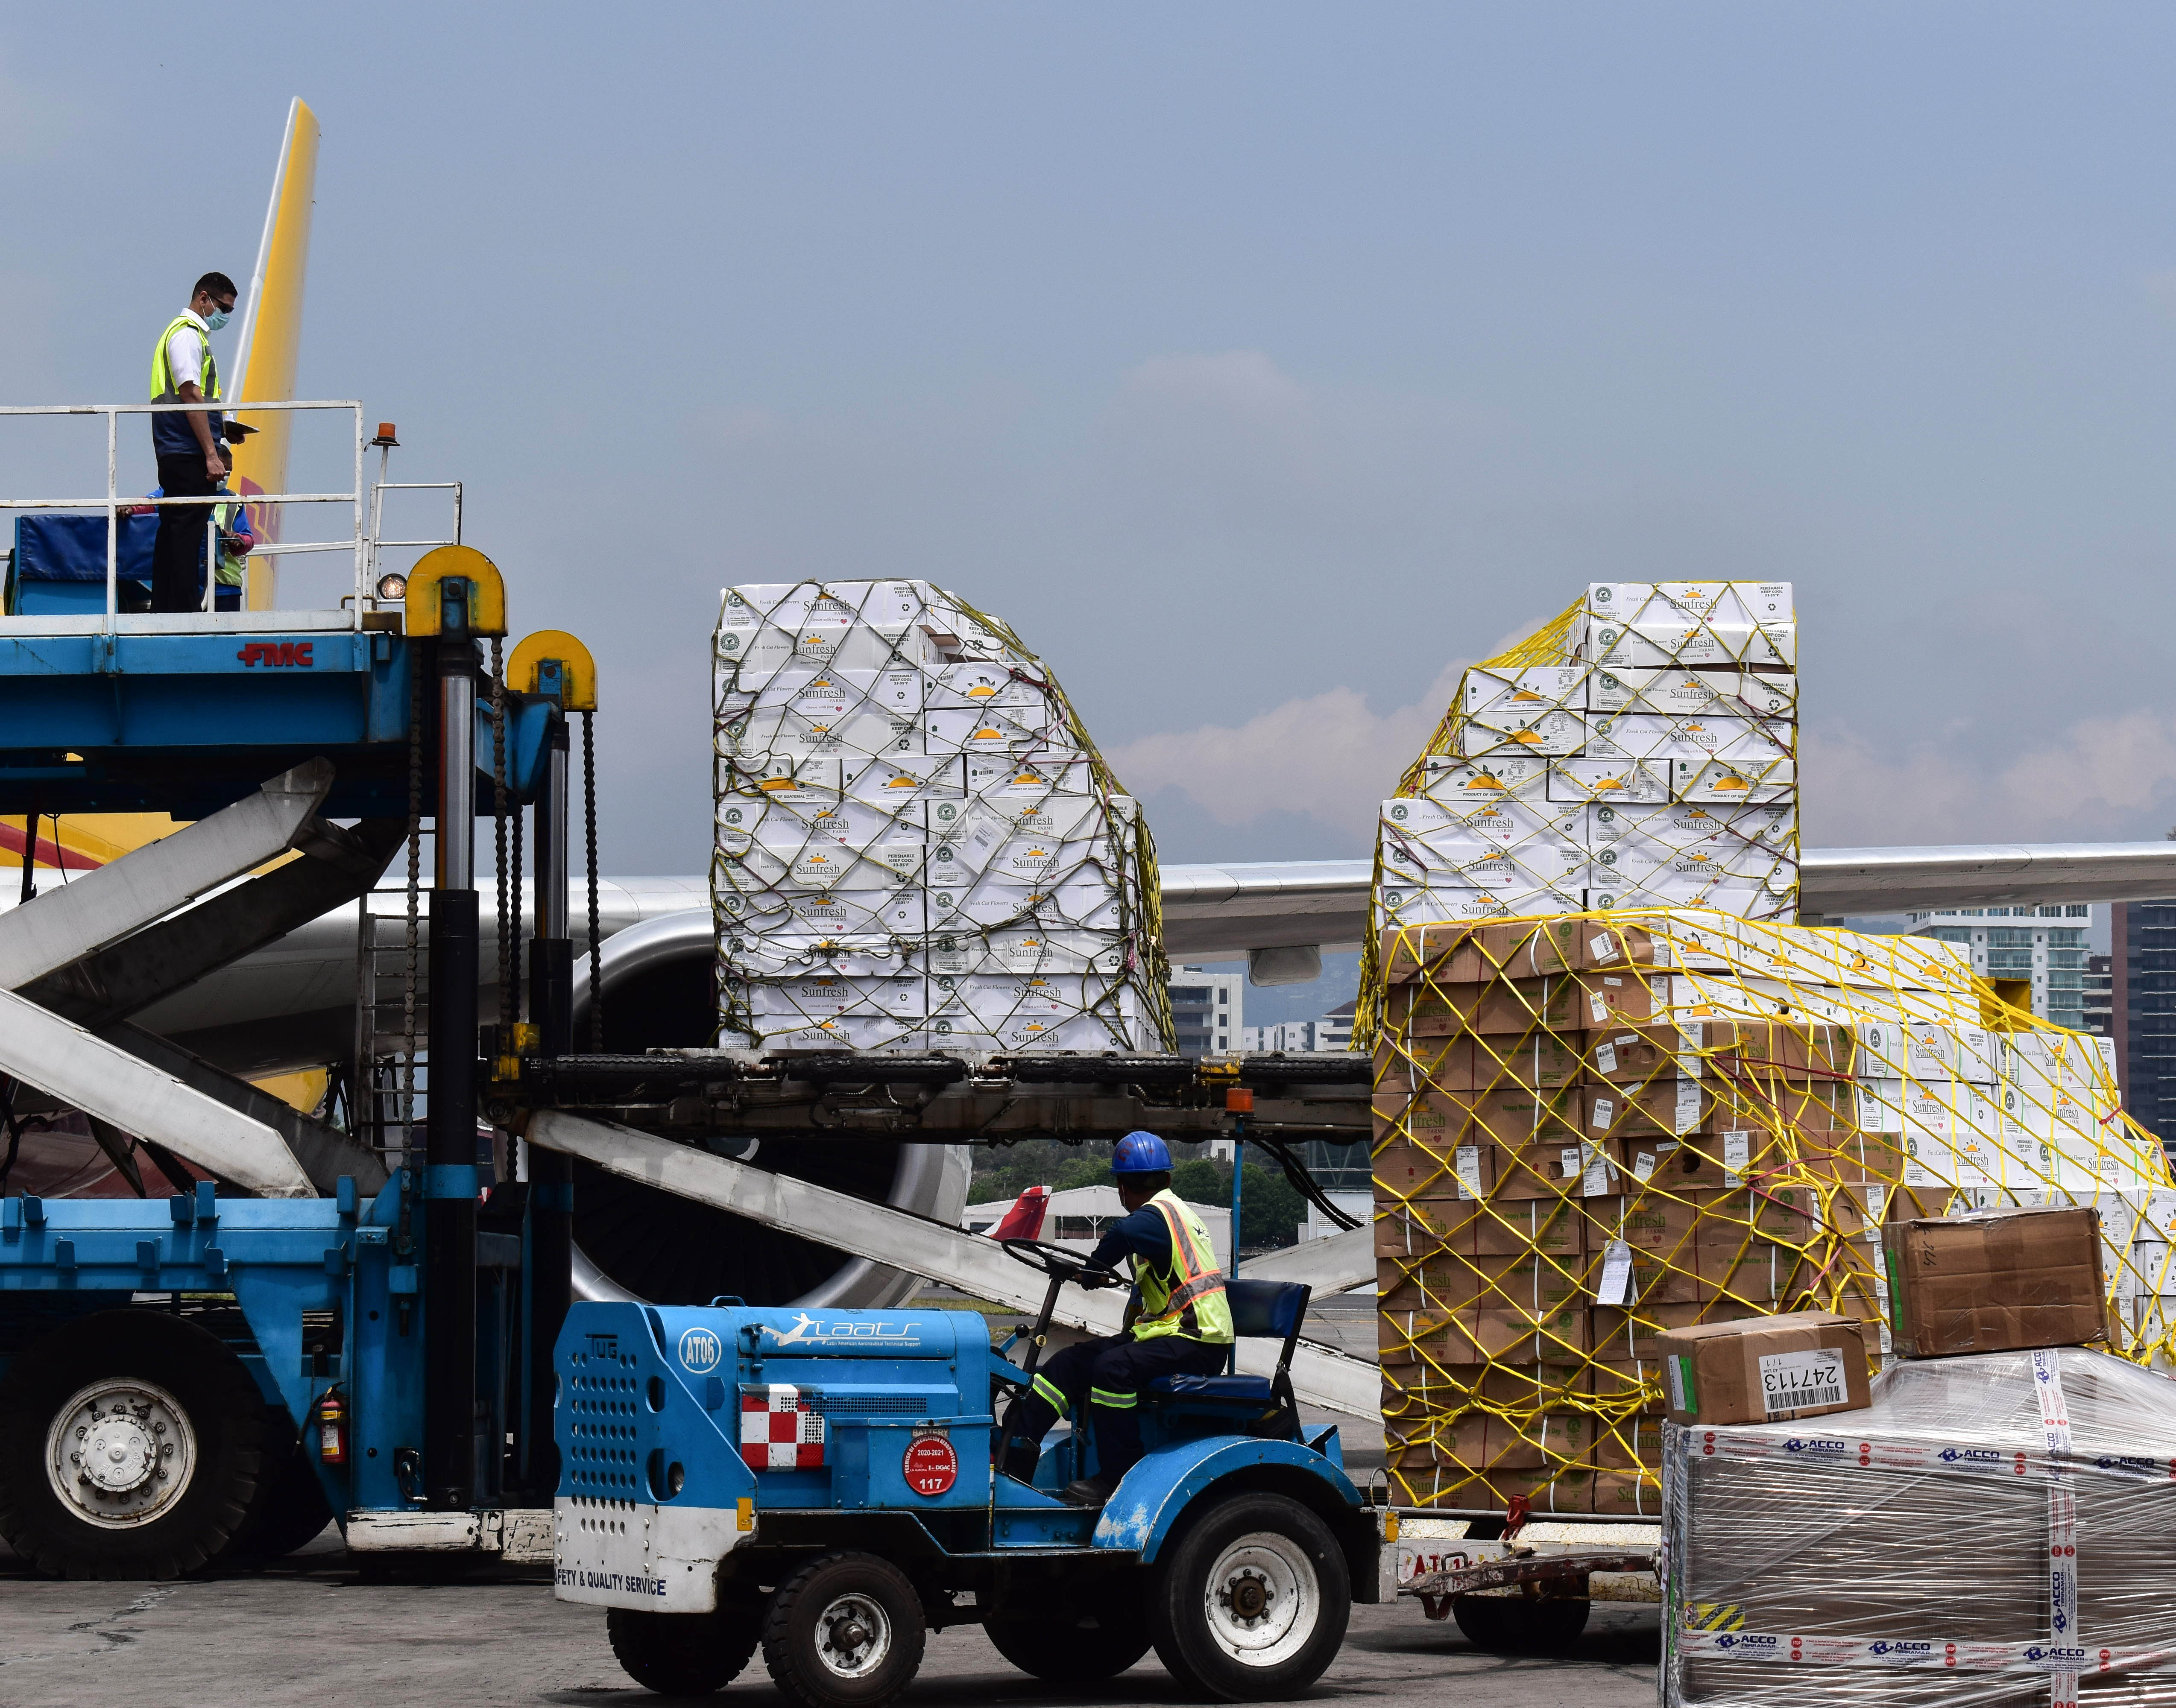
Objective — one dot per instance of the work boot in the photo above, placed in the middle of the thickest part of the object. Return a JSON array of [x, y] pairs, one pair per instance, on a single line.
[[1088, 1491]]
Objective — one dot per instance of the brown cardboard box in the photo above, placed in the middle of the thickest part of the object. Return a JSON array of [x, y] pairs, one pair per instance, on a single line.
[[1787, 1215], [1606, 998], [1812, 1053], [1509, 1115], [1619, 1383], [1483, 1441], [1627, 1493], [1404, 1169], [1534, 1285], [1668, 1107], [1632, 1055], [1622, 1335], [1508, 1006], [1452, 1488], [1477, 1063], [1764, 1369], [1995, 1281], [1410, 1389], [1473, 954], [1536, 1057], [1552, 1226]]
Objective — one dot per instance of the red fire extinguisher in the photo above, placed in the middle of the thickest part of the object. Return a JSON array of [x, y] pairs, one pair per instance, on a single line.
[[331, 1425]]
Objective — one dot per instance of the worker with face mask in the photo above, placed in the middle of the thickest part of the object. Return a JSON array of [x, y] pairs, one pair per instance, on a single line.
[[188, 442]]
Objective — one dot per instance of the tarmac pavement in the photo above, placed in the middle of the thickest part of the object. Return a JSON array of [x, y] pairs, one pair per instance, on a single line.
[[310, 1631]]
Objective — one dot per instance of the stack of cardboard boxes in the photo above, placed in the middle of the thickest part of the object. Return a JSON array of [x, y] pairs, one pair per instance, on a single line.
[[1593, 1130], [917, 847], [1647, 759], [1988, 1522]]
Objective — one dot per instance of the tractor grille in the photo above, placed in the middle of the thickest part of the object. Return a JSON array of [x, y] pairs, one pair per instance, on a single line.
[[867, 1405]]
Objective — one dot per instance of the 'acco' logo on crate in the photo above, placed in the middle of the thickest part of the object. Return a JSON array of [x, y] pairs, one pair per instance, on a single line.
[[1739, 1639], [1795, 1446], [1969, 1455]]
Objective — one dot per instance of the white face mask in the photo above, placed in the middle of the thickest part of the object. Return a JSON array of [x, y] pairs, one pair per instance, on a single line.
[[216, 318]]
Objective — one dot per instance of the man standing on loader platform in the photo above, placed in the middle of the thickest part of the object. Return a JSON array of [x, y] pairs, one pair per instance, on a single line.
[[188, 442], [1178, 1323]]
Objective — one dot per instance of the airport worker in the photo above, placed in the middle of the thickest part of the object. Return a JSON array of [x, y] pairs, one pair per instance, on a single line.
[[1177, 1323], [237, 539], [188, 442]]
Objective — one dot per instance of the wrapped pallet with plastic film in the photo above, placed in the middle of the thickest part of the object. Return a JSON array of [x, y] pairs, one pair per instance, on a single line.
[[1993, 1530], [1593, 1127], [918, 846]]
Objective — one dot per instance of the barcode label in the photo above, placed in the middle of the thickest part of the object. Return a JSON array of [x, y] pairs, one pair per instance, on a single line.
[[1605, 1058], [1792, 1381]]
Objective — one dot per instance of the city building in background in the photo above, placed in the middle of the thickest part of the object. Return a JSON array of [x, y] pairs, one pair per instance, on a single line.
[[2142, 1005], [2100, 995], [1332, 1031], [2045, 946], [1206, 1009]]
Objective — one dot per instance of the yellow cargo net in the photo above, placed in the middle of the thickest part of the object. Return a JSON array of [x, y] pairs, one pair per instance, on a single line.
[[1592, 1128], [1587, 767]]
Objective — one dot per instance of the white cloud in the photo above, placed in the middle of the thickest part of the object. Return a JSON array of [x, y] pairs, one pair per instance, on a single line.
[[2102, 779], [1328, 755]]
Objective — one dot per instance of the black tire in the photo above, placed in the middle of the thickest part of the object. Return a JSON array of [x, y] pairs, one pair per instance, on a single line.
[[223, 1410], [291, 1508], [842, 1593], [684, 1653], [1109, 1634], [1250, 1649], [1521, 1624]]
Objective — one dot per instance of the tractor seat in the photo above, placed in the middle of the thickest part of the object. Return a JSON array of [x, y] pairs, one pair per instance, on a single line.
[[1260, 1310], [1252, 1388]]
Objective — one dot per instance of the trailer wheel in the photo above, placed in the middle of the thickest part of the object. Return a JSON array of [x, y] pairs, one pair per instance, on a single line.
[[1251, 1602], [684, 1653], [1080, 1644], [131, 1446], [1520, 1625], [844, 1631]]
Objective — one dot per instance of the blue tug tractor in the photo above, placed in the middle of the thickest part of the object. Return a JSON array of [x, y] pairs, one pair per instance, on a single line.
[[821, 1485]]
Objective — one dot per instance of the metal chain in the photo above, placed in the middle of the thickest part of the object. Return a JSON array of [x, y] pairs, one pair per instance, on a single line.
[[507, 1013], [415, 889], [590, 825]]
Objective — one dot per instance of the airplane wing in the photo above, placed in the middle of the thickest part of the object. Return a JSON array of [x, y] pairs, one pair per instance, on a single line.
[[1282, 913]]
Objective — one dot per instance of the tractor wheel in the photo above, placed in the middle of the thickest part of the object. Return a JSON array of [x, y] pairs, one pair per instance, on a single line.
[[1102, 1640], [844, 1631], [684, 1653], [132, 1445], [1520, 1625], [1250, 1603], [291, 1508]]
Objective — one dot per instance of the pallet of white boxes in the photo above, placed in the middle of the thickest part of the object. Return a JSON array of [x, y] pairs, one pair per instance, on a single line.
[[917, 847]]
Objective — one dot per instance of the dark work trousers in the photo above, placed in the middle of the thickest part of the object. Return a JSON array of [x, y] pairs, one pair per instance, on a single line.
[[177, 557], [1106, 1376]]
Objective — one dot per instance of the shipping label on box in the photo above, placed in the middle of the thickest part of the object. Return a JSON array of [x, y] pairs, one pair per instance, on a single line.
[[1611, 781], [1545, 732], [1694, 693], [1459, 783], [1764, 1369], [1507, 696], [1762, 782], [1653, 739]]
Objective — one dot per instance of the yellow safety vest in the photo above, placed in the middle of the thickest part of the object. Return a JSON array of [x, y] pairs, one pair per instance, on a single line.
[[1189, 1300], [162, 376]]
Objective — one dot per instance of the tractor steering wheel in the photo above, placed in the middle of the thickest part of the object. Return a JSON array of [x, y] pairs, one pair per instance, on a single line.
[[1061, 1263]]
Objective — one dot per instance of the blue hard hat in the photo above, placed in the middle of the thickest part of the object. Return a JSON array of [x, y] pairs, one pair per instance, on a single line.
[[1142, 1153]]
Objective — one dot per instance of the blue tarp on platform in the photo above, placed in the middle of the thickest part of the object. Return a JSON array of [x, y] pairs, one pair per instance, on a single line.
[[59, 563]]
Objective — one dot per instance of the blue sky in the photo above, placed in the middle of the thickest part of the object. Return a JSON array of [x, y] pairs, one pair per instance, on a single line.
[[1258, 362]]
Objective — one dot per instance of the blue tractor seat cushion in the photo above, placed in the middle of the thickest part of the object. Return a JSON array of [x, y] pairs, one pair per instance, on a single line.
[[1264, 1308], [1251, 1388]]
